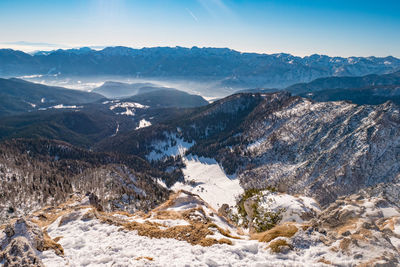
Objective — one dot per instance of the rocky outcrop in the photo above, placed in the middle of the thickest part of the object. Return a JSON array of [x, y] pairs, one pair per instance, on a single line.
[[20, 243], [19, 252]]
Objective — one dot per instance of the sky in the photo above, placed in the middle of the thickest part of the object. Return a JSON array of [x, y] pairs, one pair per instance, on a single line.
[[299, 27]]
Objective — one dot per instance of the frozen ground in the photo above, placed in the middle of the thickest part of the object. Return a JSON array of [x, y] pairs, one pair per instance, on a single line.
[[206, 178], [91, 243]]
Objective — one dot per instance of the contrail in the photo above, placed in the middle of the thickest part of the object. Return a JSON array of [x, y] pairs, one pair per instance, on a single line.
[[191, 14]]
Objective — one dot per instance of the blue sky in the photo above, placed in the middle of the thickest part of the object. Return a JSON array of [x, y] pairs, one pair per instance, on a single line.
[[299, 27]]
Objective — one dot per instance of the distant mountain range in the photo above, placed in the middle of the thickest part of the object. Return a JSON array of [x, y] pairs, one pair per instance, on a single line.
[[229, 68]]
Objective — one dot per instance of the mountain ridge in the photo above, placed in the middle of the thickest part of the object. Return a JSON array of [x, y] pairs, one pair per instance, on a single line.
[[228, 67]]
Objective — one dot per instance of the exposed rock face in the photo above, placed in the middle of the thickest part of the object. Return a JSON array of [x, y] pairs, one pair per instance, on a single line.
[[20, 253], [94, 201], [362, 222], [20, 244], [322, 150], [24, 228]]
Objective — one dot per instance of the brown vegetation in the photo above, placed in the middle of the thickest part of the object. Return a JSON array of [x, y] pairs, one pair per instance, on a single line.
[[52, 244], [144, 258], [196, 233], [285, 230], [277, 245]]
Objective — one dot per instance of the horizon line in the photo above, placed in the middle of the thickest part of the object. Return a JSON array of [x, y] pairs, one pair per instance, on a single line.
[[102, 47]]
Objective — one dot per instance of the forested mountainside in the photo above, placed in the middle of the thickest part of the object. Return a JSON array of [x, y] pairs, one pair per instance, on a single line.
[[371, 95], [370, 89], [322, 150], [19, 96], [36, 173], [348, 82], [231, 69]]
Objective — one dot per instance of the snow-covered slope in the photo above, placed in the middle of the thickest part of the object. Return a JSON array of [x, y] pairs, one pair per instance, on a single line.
[[205, 177]]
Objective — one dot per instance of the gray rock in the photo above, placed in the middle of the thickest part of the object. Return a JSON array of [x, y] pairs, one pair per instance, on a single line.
[[19, 252]]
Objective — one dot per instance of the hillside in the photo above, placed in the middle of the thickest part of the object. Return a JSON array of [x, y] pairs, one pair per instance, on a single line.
[[119, 90], [18, 96], [82, 127], [371, 95], [167, 98], [323, 150], [329, 83], [40, 172]]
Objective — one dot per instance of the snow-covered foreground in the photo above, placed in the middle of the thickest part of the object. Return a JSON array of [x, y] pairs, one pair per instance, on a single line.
[[186, 231], [206, 178], [91, 243]]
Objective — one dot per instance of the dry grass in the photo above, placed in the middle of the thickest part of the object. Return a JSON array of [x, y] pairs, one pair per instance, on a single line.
[[372, 262], [47, 216], [52, 244], [144, 258], [172, 200], [389, 223], [277, 245], [362, 235], [223, 231], [195, 233], [323, 260], [167, 215], [345, 244], [351, 224], [327, 242], [123, 213], [225, 241], [57, 238], [285, 230]]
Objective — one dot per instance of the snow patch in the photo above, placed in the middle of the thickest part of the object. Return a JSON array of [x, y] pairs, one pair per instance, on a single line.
[[143, 123], [206, 178], [130, 107], [60, 106], [172, 146]]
